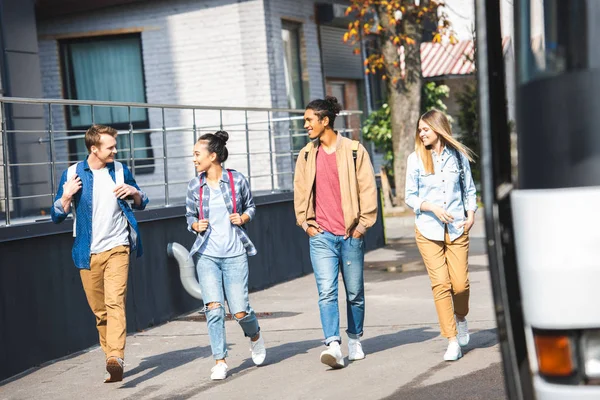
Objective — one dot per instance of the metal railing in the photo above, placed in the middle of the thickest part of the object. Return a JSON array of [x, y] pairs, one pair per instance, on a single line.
[[37, 144]]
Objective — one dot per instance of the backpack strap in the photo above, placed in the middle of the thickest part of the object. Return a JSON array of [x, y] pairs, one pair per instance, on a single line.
[[71, 171], [307, 150], [200, 208], [355, 144], [233, 196], [119, 174], [461, 178]]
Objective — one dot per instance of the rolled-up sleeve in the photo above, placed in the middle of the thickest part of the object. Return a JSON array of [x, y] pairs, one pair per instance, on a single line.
[[367, 191], [411, 195], [191, 205], [57, 212], [130, 180], [471, 194]]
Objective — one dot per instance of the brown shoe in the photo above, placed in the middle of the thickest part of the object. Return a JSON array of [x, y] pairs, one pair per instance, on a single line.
[[114, 369]]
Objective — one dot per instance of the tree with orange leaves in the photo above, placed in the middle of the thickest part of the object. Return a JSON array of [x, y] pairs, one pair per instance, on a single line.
[[398, 26]]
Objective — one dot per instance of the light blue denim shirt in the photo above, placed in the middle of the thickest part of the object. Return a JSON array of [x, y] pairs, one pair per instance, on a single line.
[[441, 188]]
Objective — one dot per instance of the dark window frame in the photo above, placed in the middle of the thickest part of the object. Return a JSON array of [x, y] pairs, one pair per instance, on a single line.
[[145, 166], [297, 29]]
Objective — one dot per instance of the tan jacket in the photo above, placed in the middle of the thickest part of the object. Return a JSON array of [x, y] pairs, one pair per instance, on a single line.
[[357, 187]]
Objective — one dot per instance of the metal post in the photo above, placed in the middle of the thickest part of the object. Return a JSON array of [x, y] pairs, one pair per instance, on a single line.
[[363, 57], [5, 163], [93, 114], [221, 119], [290, 130], [52, 154], [271, 151], [248, 149], [165, 163], [498, 221], [195, 128], [131, 145]]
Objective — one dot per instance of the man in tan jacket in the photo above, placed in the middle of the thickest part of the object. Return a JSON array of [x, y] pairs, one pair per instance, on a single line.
[[335, 200]]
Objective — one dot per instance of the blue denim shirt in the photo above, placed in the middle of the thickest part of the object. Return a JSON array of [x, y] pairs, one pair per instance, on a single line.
[[83, 205], [441, 188], [244, 203]]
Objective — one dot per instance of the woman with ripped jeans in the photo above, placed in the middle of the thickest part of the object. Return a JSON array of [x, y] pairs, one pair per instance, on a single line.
[[218, 204]]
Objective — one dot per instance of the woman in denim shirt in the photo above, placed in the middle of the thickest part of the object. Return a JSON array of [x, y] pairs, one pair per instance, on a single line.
[[440, 190], [217, 217]]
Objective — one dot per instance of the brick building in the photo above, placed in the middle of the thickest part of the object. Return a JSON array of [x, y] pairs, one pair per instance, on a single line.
[[256, 53]]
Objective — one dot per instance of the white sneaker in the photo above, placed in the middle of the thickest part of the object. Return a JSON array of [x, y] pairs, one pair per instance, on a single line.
[[453, 352], [463, 333], [355, 350], [218, 372], [333, 356], [259, 352]]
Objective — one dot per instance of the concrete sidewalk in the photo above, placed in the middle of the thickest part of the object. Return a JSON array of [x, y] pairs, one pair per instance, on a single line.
[[402, 343]]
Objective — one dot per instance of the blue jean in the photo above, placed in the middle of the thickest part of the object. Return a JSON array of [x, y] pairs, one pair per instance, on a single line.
[[220, 279], [327, 253]]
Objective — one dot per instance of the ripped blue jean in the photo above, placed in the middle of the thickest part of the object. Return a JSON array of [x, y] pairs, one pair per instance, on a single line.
[[220, 279]]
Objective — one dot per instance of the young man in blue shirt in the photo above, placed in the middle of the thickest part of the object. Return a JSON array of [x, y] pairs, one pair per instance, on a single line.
[[97, 191]]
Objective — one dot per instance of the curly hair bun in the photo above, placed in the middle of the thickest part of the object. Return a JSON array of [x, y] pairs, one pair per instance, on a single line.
[[222, 135], [334, 105]]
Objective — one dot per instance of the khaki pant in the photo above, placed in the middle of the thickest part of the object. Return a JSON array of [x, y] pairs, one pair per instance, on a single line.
[[448, 269], [105, 286]]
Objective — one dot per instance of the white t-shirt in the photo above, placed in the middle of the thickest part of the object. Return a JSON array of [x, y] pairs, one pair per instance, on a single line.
[[109, 225], [223, 241]]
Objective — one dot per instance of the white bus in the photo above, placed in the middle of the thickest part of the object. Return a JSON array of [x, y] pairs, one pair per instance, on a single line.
[[543, 229]]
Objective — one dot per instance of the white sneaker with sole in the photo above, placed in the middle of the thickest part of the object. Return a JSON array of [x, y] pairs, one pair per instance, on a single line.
[[355, 350], [453, 352], [463, 332], [259, 352], [333, 356], [218, 372]]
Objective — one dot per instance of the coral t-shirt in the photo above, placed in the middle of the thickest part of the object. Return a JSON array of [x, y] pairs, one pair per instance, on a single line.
[[328, 198]]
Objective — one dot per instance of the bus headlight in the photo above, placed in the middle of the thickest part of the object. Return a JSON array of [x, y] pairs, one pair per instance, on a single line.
[[590, 350]]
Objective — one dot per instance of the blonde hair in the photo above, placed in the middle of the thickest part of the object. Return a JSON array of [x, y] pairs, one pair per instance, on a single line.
[[439, 124], [92, 136]]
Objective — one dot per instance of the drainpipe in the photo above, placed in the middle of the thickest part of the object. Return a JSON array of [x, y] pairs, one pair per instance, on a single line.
[[187, 270], [8, 115]]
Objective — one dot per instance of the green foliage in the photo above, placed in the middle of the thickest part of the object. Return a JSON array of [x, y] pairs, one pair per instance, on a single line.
[[432, 96], [378, 126]]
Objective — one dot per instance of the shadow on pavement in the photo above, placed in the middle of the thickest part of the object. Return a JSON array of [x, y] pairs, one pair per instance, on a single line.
[[486, 384], [391, 340], [274, 355], [157, 364], [280, 353], [482, 339]]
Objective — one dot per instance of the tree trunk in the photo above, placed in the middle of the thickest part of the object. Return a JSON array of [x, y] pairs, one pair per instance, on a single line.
[[405, 112], [404, 91]]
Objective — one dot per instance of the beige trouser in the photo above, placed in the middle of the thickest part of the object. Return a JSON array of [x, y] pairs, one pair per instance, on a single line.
[[105, 286], [448, 269]]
